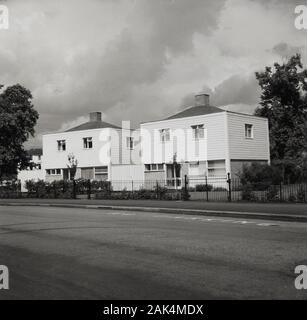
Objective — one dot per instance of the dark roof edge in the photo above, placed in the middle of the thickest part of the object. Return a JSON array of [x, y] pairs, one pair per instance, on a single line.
[[200, 115]]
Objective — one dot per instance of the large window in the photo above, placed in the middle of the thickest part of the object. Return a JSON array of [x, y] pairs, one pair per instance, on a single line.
[[53, 172], [88, 143], [61, 145], [129, 143], [87, 173], [249, 134], [101, 173], [198, 131], [164, 135], [154, 167]]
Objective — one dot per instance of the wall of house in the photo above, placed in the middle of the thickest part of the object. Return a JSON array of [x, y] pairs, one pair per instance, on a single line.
[[109, 146], [197, 170], [241, 148], [53, 177], [97, 156], [130, 177], [182, 142], [25, 175], [120, 153], [151, 178]]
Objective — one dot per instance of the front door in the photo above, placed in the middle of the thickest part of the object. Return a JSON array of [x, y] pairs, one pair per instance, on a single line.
[[65, 174], [173, 175]]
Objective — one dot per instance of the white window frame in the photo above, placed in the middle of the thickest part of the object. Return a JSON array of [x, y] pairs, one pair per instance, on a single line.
[[249, 131], [61, 145], [130, 143], [154, 167], [101, 171], [198, 131], [165, 135], [54, 172], [88, 143]]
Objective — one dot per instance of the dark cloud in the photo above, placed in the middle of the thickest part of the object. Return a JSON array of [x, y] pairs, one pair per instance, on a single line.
[[237, 93], [134, 59], [80, 56], [285, 50], [237, 89], [175, 21]]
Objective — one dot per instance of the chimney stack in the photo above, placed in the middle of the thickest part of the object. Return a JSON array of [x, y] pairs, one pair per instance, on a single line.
[[202, 100], [95, 116]]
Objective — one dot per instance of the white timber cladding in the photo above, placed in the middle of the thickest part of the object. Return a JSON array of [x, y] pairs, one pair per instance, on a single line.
[[130, 177], [106, 148], [242, 147], [182, 139]]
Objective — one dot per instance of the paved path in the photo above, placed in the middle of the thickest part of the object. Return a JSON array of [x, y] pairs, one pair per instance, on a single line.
[[64, 253]]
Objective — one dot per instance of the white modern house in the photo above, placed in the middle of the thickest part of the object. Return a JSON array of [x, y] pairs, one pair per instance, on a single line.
[[35, 171], [205, 141], [200, 142], [103, 152]]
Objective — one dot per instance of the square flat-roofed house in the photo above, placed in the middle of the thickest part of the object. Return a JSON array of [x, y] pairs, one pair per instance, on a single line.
[[103, 152], [205, 141]]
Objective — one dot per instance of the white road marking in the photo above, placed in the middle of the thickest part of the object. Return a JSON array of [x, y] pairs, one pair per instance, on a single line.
[[266, 224], [242, 222]]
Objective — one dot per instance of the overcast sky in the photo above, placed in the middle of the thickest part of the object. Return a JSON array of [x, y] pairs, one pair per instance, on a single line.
[[142, 60]]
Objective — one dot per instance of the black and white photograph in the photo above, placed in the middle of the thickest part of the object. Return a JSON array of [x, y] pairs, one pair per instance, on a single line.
[[153, 150]]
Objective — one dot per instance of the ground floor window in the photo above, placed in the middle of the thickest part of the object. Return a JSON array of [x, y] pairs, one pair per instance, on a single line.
[[154, 167], [87, 173], [216, 168], [197, 169], [101, 173], [54, 172]]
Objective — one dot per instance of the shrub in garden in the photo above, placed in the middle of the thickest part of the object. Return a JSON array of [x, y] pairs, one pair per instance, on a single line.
[[272, 193], [292, 198], [160, 191], [143, 194], [36, 189], [261, 176], [248, 193], [302, 194], [185, 195], [9, 189], [219, 189], [203, 187]]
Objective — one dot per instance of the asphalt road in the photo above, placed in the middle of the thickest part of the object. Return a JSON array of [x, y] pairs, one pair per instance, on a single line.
[[57, 253]]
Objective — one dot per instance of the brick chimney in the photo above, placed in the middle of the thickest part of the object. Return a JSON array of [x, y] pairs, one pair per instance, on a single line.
[[95, 116], [202, 100]]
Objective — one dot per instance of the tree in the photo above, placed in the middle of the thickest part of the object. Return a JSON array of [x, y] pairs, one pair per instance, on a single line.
[[72, 166], [284, 103], [17, 121]]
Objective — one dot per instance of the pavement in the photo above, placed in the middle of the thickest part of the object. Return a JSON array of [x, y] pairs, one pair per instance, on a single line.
[[77, 253], [271, 211]]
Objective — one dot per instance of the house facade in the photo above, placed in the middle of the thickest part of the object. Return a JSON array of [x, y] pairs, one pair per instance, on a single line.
[[203, 141], [35, 171], [103, 152]]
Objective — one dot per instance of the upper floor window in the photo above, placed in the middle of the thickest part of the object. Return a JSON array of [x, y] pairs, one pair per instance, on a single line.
[[164, 135], [129, 143], [198, 131], [249, 131], [61, 145], [88, 143]]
